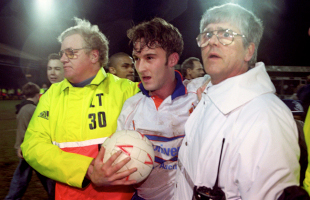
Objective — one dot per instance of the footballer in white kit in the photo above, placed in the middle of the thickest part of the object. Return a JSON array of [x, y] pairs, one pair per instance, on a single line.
[[163, 125]]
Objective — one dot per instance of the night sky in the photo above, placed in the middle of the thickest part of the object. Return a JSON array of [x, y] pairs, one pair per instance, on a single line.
[[29, 28]]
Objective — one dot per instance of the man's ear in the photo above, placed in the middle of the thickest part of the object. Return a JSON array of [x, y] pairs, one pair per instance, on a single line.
[[249, 52], [37, 98], [94, 56], [112, 70], [173, 59], [188, 71]]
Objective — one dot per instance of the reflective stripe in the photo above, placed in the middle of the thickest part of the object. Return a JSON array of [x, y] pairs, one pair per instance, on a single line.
[[80, 144]]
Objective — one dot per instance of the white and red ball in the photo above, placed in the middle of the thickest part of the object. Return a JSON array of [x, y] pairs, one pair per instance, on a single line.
[[135, 145]]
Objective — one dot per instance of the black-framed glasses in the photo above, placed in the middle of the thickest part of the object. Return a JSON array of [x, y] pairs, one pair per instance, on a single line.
[[70, 52], [225, 37]]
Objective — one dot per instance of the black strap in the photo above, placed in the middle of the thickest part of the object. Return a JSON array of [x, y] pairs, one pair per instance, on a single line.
[[218, 168]]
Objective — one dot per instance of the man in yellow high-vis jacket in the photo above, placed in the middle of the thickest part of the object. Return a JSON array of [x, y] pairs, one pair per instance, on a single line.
[[75, 116], [307, 138]]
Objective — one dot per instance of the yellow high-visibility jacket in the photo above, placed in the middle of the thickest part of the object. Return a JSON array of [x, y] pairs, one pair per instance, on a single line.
[[307, 139], [67, 129]]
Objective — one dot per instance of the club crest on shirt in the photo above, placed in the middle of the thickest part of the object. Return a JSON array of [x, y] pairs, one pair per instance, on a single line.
[[191, 109]]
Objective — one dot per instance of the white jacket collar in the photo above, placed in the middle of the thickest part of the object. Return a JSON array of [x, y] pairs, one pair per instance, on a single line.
[[236, 91]]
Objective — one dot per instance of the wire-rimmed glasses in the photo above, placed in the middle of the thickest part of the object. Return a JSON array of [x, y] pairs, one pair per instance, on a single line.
[[70, 52], [225, 37]]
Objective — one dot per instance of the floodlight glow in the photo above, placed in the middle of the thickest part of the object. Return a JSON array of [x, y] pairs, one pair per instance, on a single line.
[[44, 5]]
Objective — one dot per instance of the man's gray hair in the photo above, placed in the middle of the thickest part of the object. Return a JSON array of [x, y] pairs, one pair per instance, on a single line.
[[93, 38], [244, 20]]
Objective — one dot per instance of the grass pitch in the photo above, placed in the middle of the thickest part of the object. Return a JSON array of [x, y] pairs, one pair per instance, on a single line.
[[8, 158]]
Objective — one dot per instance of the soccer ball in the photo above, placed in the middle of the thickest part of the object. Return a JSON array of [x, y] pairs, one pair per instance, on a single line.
[[135, 145]]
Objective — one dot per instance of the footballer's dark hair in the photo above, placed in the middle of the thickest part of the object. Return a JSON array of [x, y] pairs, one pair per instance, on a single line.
[[157, 33]]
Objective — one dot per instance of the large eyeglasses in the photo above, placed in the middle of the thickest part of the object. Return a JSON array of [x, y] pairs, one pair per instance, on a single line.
[[225, 37], [69, 52]]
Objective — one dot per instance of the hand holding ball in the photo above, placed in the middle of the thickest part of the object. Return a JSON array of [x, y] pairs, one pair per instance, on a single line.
[[135, 145]]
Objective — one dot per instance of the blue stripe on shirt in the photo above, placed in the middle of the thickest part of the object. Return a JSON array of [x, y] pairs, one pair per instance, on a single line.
[[161, 160], [163, 139]]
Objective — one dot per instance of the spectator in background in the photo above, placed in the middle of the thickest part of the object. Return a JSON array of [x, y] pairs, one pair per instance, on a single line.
[[4, 93], [192, 68], [43, 88], [303, 95], [121, 65], [298, 114], [23, 172], [239, 114], [19, 93], [294, 95], [55, 70], [75, 116], [11, 93]]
